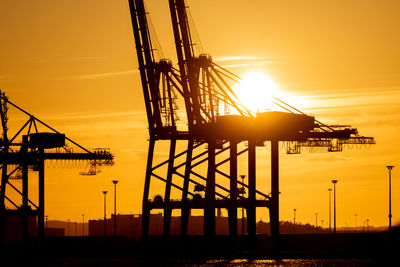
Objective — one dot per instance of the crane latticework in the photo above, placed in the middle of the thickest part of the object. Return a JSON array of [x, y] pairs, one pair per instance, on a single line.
[[27, 149], [214, 128]]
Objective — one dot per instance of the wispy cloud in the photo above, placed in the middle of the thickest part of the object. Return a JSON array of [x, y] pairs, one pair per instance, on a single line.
[[3, 76], [238, 58], [77, 116], [243, 61], [329, 158], [99, 75]]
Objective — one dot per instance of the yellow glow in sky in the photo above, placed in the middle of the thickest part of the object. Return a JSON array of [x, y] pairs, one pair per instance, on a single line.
[[256, 91]]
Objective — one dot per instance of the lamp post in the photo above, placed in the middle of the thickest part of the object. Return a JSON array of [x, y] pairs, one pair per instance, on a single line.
[[67, 227], [294, 220], [83, 224], [355, 221], [334, 205], [242, 192], [390, 196], [330, 191], [105, 212], [115, 182], [316, 220]]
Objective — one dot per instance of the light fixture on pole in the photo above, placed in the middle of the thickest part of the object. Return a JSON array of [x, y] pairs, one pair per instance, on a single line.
[[330, 209], [334, 205], [115, 182], [389, 167], [294, 220], [105, 212]]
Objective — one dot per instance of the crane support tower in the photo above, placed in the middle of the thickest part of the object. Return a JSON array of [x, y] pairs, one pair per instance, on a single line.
[[215, 131], [27, 150]]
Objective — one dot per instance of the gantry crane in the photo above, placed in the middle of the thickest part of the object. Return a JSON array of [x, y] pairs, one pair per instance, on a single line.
[[218, 129], [28, 149]]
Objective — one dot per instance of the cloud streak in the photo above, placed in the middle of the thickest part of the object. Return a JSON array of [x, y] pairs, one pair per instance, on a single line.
[[243, 61], [99, 75]]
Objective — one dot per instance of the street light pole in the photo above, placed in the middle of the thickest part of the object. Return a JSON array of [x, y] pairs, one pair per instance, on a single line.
[[294, 220], [330, 191], [115, 206], [83, 224], [390, 196], [316, 220], [334, 205], [355, 221], [105, 213]]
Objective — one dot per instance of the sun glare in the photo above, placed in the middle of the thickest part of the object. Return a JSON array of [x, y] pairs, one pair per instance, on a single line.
[[255, 91]]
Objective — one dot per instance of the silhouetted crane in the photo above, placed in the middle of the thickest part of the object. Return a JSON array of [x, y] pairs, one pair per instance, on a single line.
[[213, 136], [29, 148]]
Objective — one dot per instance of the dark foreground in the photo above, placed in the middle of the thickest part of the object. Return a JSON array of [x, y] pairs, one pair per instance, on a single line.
[[344, 249]]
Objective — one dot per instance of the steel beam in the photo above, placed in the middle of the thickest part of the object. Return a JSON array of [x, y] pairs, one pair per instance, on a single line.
[[251, 209], [41, 194], [167, 195], [274, 209], [232, 211], [185, 213], [209, 210], [25, 200], [145, 204]]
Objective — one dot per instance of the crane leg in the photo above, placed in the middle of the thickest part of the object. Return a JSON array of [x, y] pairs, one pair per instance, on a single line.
[[209, 211], [186, 211], [145, 207], [274, 208], [251, 210], [232, 211]]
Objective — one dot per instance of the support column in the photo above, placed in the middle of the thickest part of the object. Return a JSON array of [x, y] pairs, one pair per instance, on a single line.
[[145, 204], [41, 193], [232, 210], [167, 195], [185, 213], [209, 211], [24, 207], [274, 208], [25, 215], [251, 209], [4, 178]]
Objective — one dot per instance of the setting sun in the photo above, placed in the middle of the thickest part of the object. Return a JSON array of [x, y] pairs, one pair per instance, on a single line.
[[256, 90]]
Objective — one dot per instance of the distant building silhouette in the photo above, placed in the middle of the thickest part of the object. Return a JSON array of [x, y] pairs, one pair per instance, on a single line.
[[131, 226]]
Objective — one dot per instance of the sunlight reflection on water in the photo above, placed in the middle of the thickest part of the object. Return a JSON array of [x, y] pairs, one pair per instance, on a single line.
[[287, 262], [201, 263]]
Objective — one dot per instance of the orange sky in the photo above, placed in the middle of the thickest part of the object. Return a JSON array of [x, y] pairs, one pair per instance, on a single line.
[[73, 64]]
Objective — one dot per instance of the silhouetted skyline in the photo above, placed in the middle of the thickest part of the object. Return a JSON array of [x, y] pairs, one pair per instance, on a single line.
[[79, 73]]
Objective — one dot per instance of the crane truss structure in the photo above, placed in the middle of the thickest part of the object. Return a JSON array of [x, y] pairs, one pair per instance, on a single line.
[[217, 130], [27, 150]]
